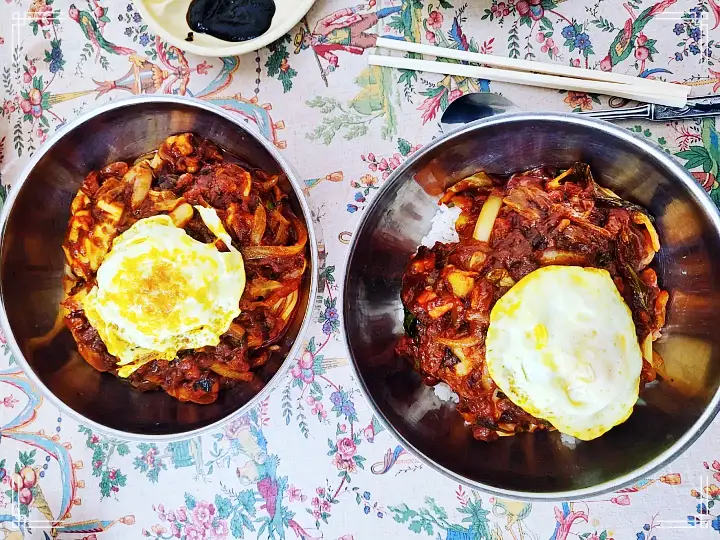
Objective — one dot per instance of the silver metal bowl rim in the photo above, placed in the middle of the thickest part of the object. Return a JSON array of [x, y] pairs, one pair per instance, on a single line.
[[312, 243], [703, 199]]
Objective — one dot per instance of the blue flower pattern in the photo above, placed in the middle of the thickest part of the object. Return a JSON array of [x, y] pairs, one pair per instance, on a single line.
[[54, 57], [690, 30], [343, 405], [569, 32], [582, 41]]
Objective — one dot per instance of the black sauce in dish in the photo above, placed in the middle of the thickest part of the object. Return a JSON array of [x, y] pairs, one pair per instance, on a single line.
[[231, 20]]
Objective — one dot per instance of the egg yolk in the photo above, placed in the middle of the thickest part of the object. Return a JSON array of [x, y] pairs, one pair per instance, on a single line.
[[159, 291]]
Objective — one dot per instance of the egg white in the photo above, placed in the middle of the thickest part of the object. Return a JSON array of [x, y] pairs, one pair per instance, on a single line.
[[159, 291], [562, 346]]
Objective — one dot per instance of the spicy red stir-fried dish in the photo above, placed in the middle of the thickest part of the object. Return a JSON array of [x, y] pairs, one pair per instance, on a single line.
[[183, 269], [519, 227]]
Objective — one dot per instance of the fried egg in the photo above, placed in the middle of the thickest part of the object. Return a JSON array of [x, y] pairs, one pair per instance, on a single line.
[[160, 291], [562, 346]]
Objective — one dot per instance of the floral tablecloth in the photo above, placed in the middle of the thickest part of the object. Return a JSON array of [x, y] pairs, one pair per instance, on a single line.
[[311, 461]]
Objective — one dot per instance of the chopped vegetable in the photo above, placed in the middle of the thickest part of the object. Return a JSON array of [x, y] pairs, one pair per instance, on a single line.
[[642, 218], [469, 341], [461, 282], [647, 348], [477, 259], [562, 257], [410, 324], [486, 219], [477, 180], [638, 288], [465, 366], [500, 277], [555, 182]]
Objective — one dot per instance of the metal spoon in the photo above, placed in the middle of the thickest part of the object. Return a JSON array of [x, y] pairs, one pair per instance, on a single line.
[[473, 107], [481, 105]]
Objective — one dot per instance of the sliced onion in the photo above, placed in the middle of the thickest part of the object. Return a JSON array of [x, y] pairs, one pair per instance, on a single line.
[[261, 359], [647, 349], [156, 162], [145, 157], [648, 258], [182, 215], [465, 366], [276, 298], [500, 277], [247, 180], [262, 287], [259, 224], [290, 302], [439, 310], [269, 184], [165, 200], [477, 180], [80, 202], [140, 176], [468, 341], [477, 260], [660, 311], [111, 189], [282, 224], [260, 252], [281, 234], [555, 182], [236, 331], [114, 209], [225, 371], [486, 219], [641, 219], [561, 257]]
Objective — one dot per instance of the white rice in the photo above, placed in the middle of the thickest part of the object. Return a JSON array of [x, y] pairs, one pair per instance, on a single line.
[[568, 440], [443, 226], [443, 230], [445, 393]]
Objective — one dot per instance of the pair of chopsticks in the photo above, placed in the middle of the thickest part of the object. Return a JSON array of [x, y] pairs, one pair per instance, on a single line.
[[529, 73]]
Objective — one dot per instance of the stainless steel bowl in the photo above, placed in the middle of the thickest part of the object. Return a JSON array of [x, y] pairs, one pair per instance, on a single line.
[[669, 417], [31, 266]]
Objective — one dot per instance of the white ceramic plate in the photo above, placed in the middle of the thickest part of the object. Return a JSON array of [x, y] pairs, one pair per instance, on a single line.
[[167, 20]]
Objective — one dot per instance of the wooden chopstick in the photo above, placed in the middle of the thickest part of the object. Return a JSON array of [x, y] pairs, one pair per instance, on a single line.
[[628, 91], [659, 87]]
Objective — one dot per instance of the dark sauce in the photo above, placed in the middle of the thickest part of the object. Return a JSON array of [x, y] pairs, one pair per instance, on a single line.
[[231, 20]]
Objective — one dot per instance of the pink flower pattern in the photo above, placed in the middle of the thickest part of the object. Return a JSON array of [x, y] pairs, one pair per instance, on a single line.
[[435, 20]]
